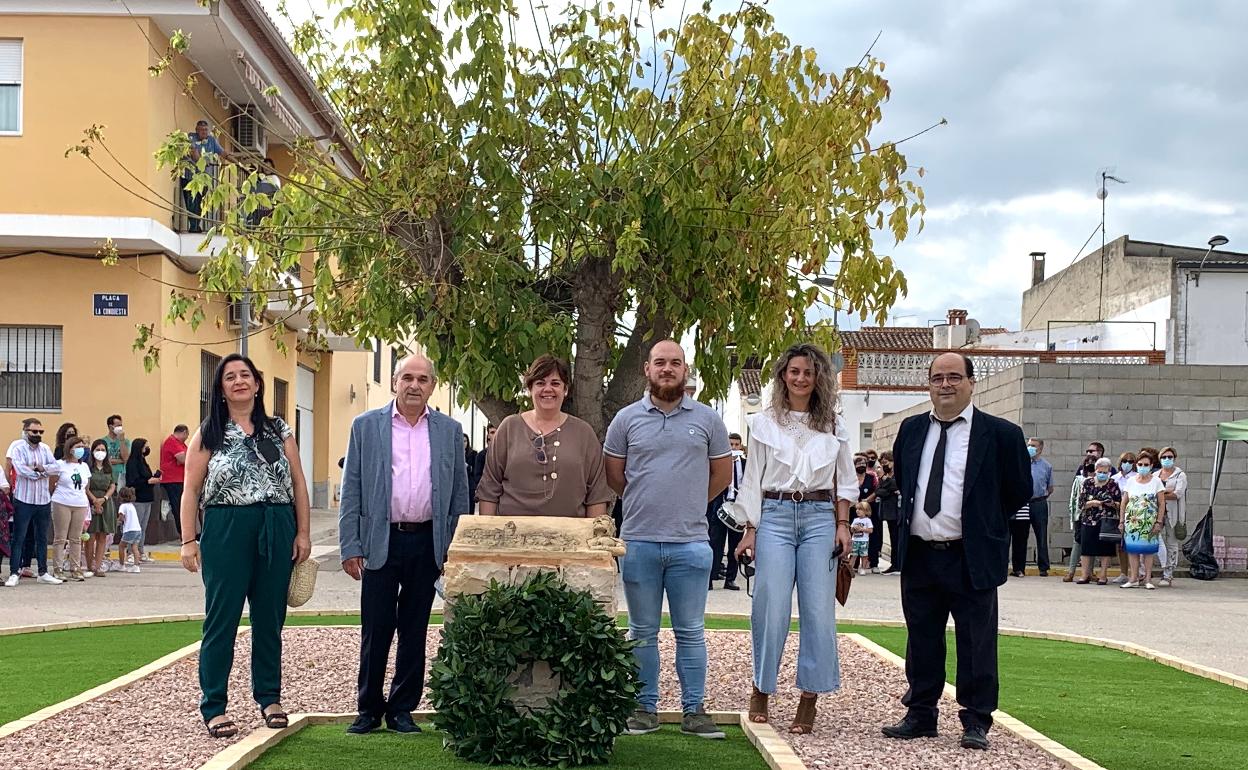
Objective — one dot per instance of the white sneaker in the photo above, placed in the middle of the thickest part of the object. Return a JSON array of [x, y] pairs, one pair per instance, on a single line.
[[1129, 584], [1150, 586], [146, 558], [875, 570], [862, 572], [12, 581], [47, 579], [1119, 580], [132, 568], [130, 560], [88, 574]]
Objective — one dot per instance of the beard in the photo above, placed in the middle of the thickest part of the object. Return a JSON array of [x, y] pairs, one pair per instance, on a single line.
[[672, 392]]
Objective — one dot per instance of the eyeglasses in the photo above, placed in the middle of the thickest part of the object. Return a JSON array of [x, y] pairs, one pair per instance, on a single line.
[[34, 432], [942, 379], [539, 448]]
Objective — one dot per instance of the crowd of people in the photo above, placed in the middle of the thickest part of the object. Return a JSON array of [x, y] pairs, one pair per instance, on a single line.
[[80, 498]]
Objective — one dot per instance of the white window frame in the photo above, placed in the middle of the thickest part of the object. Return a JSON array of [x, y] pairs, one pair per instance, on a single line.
[[20, 83], [37, 350]]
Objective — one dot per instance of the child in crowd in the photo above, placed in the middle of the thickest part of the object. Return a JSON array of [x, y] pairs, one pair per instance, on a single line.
[[131, 531], [861, 528]]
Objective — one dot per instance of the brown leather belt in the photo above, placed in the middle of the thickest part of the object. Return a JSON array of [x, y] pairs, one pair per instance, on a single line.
[[813, 495]]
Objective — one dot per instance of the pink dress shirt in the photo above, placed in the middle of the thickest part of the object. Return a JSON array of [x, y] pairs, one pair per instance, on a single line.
[[411, 484]]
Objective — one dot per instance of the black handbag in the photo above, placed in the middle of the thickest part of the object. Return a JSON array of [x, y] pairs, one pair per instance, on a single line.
[[1109, 532]]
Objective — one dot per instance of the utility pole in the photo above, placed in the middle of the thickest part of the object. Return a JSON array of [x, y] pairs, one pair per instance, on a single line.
[[1103, 193]]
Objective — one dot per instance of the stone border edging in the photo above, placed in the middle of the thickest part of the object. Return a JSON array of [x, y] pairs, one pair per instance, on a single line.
[[1062, 753], [776, 752]]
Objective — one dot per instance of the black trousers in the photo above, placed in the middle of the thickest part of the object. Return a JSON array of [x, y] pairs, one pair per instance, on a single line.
[[721, 536], [173, 493], [875, 543], [1040, 526], [396, 597], [934, 585], [1020, 530]]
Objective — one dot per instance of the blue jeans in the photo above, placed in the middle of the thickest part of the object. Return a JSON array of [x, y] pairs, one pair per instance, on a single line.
[[683, 570], [794, 546], [27, 518]]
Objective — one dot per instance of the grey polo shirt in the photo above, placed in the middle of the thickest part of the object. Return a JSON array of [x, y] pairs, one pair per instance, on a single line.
[[667, 468]]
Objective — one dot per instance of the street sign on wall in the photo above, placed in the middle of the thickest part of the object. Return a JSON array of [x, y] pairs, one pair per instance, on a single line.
[[112, 304]]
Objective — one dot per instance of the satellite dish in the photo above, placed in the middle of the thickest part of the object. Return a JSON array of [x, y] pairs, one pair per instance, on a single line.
[[972, 330]]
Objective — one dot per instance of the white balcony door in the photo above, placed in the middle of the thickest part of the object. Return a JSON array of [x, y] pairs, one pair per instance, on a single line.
[[305, 396]]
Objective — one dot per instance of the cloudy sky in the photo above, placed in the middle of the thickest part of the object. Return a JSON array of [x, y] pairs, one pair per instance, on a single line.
[[1040, 97]]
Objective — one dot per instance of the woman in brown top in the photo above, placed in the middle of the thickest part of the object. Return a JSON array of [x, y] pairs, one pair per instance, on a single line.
[[543, 462]]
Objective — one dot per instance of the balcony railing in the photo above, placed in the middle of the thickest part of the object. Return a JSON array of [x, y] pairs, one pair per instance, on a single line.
[[907, 369]]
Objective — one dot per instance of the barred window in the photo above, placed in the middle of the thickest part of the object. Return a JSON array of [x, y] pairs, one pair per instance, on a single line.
[[208, 363], [279, 398], [30, 368]]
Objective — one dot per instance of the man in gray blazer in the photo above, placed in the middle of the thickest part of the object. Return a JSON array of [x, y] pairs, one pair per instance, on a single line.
[[404, 487]]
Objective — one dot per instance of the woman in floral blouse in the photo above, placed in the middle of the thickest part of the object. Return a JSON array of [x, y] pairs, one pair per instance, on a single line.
[[1144, 518], [255, 529], [1098, 497]]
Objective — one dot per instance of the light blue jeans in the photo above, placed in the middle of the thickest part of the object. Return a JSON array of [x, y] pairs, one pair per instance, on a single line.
[[794, 546], [683, 571]]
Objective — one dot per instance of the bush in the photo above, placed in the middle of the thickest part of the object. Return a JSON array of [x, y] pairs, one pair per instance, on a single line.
[[491, 635]]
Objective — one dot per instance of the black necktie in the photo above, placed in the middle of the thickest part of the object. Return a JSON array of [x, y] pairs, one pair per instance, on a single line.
[[936, 478]]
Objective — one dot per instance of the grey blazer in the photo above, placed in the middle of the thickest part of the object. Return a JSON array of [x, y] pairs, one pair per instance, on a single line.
[[364, 512]]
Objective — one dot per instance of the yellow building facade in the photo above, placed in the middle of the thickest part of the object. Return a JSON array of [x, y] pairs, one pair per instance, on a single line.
[[68, 320]]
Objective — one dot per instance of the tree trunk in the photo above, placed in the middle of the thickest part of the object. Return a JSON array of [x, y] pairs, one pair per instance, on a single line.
[[595, 292]]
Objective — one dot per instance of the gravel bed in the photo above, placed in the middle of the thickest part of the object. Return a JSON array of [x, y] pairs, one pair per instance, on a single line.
[[154, 724]]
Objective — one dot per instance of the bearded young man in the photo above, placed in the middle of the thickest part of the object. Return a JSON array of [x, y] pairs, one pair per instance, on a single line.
[[668, 456]]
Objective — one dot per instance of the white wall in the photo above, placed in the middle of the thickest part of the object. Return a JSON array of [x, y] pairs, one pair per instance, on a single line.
[[1211, 319], [859, 407], [1137, 334]]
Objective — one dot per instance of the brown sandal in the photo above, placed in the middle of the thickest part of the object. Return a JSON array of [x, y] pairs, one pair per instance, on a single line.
[[758, 707], [223, 729], [804, 719]]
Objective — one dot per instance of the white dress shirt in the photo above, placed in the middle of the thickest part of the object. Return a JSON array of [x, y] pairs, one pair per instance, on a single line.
[[946, 525], [792, 458]]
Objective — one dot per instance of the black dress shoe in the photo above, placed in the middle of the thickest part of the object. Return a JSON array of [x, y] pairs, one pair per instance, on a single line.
[[974, 738], [365, 723], [1044, 573], [909, 728], [402, 723], [731, 586], [1018, 574]]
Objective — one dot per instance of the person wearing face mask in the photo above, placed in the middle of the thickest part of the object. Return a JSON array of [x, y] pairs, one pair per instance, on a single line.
[[100, 490], [118, 449], [889, 497], [1041, 489], [1075, 511], [70, 507], [1099, 496], [140, 476], [1175, 494], [1126, 470], [33, 464], [1144, 506], [544, 462], [867, 484]]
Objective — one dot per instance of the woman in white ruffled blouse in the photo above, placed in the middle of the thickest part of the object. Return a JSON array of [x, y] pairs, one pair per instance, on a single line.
[[794, 501]]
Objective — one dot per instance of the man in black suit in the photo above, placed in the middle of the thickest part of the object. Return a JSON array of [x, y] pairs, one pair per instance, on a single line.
[[720, 534], [962, 473]]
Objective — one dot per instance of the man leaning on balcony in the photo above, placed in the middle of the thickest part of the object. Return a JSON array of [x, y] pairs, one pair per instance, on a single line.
[[201, 142]]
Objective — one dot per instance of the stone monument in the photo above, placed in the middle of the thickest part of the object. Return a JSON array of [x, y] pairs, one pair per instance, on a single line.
[[509, 550]]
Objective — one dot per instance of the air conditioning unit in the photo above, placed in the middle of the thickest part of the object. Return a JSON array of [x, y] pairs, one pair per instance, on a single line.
[[249, 131], [234, 315]]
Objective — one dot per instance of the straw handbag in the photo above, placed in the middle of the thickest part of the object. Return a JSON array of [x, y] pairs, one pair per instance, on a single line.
[[302, 583]]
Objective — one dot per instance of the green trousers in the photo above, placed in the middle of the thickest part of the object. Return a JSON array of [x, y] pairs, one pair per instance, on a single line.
[[246, 554]]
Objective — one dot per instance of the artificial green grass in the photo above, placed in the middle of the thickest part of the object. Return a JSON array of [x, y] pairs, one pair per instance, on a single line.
[[330, 746], [1119, 710], [47, 667]]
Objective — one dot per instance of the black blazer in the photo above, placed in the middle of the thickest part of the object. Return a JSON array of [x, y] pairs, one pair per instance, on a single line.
[[998, 482]]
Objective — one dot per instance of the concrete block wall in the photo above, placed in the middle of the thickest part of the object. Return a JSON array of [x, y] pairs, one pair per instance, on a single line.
[[1125, 408]]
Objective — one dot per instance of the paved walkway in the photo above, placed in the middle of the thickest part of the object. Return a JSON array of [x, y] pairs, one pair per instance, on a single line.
[[1206, 622]]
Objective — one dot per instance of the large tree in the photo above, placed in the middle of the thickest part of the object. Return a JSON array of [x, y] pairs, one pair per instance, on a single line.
[[612, 183]]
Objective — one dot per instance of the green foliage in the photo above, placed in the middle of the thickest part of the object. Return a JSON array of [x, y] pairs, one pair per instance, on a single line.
[[507, 626], [609, 184]]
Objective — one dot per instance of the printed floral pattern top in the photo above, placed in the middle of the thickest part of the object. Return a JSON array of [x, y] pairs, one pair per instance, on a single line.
[[238, 474], [1108, 493], [1142, 514]]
